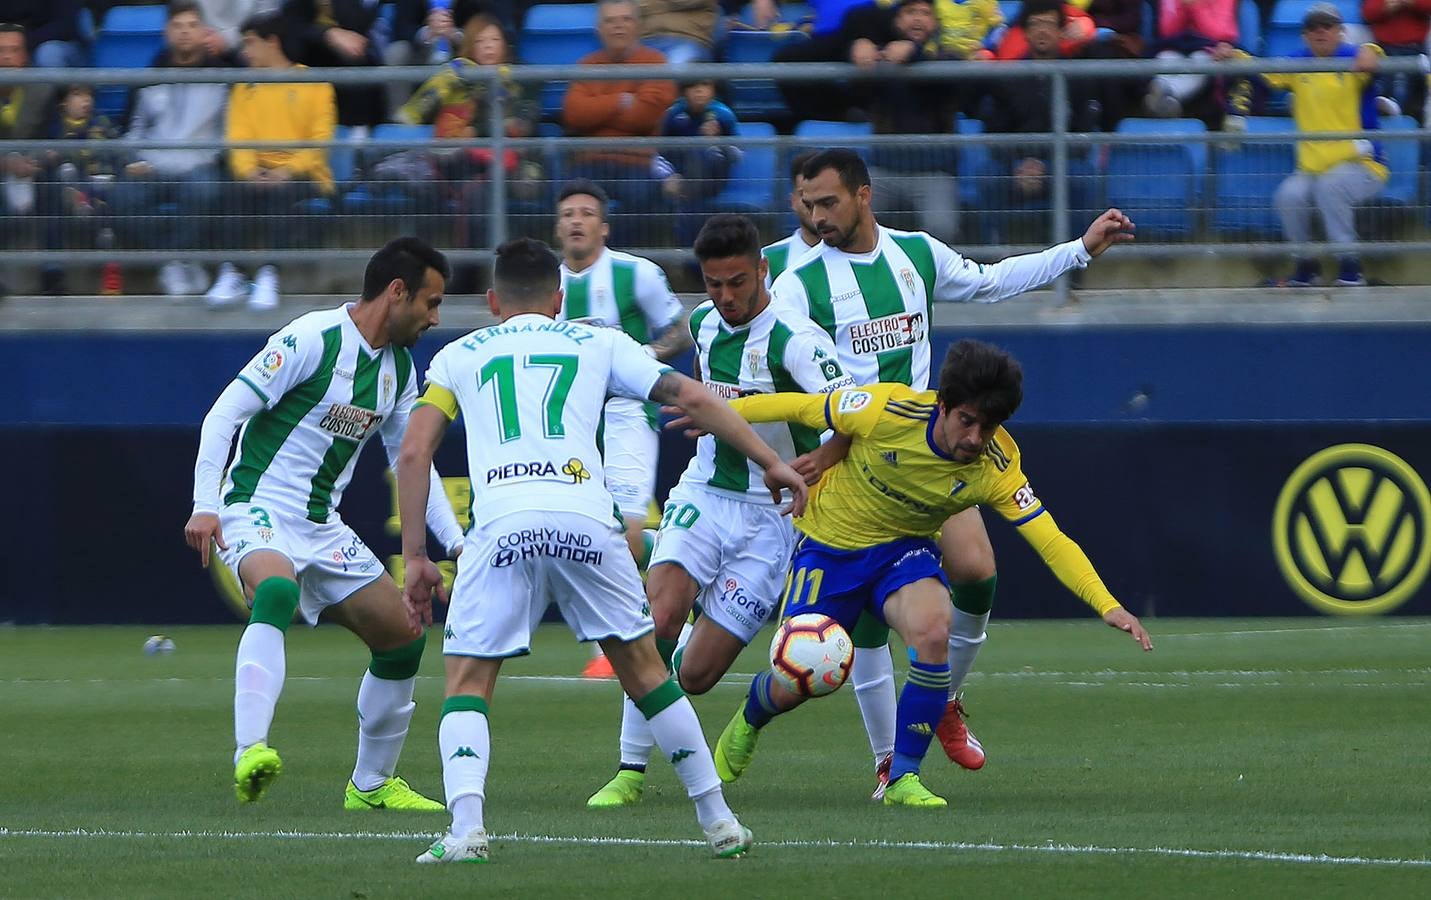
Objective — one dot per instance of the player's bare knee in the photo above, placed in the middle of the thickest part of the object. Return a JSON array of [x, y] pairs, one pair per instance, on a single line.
[[968, 568], [668, 619], [929, 636], [696, 678]]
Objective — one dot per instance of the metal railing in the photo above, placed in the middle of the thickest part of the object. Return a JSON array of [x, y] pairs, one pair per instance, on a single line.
[[467, 207]]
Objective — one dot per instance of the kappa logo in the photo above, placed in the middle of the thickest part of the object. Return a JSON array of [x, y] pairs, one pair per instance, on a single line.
[[449, 634], [290, 342], [1350, 530], [681, 754], [464, 752]]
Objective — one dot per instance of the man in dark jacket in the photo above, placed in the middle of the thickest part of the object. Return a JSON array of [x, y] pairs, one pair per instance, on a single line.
[[333, 34], [52, 32]]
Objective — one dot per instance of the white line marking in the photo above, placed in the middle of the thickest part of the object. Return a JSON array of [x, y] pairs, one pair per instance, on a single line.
[[1384, 625], [1050, 847]]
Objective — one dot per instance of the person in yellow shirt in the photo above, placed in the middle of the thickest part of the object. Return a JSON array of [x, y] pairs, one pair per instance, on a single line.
[[867, 535], [1333, 177], [271, 185]]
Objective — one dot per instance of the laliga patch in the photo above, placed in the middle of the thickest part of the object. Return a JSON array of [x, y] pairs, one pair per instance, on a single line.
[[267, 365], [854, 401]]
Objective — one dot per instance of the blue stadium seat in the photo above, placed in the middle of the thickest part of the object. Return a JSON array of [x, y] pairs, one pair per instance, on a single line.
[[975, 163], [751, 188], [757, 98], [1249, 27], [1402, 158], [833, 134], [790, 13], [343, 162], [557, 35], [148, 19], [1010, 9], [378, 199], [1158, 185], [1245, 178], [129, 38]]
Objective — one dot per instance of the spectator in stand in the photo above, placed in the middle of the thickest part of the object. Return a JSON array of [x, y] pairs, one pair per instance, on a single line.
[[222, 19], [1332, 177], [168, 198], [698, 173], [429, 33], [268, 185], [1189, 29], [338, 34], [1125, 19], [74, 183], [1078, 32], [1400, 28], [683, 30], [1119, 36], [458, 105], [23, 109], [1014, 202], [629, 108], [52, 31]]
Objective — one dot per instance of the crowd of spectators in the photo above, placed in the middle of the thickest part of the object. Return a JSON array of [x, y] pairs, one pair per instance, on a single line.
[[189, 198]]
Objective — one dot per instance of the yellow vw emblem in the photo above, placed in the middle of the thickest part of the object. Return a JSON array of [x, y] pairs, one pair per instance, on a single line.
[[1350, 530], [576, 469]]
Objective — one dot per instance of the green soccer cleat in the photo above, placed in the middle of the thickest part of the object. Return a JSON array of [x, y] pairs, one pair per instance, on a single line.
[[910, 791], [623, 790], [255, 770], [391, 794], [736, 747]]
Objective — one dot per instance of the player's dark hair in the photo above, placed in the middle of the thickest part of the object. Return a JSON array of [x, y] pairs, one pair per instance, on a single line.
[[265, 26], [12, 28], [588, 188], [846, 163], [179, 7], [1038, 8], [406, 259], [983, 375], [797, 164], [726, 235], [527, 273]]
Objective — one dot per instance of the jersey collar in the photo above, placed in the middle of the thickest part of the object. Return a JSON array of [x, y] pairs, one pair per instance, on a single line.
[[929, 436]]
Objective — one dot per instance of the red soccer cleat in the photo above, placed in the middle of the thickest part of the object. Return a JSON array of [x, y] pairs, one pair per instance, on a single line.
[[882, 777], [958, 741], [598, 667]]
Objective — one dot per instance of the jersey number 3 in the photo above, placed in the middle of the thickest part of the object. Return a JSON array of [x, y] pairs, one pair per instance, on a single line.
[[501, 371]]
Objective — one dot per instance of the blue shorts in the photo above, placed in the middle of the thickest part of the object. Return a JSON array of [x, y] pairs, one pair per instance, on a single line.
[[843, 583]]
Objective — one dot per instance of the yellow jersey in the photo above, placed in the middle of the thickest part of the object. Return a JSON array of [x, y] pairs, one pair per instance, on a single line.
[[896, 482]]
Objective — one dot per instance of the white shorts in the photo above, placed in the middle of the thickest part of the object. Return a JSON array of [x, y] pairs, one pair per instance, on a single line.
[[631, 447], [332, 563], [513, 567], [736, 551]]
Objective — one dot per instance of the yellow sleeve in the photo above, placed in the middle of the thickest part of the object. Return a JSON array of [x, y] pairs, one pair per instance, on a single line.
[[323, 123], [1068, 561], [1364, 78], [239, 127], [807, 409], [857, 411], [440, 397]]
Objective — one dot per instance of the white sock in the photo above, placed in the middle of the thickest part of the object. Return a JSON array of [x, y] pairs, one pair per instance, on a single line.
[[966, 636], [636, 737], [873, 675], [384, 711], [465, 743], [678, 733], [258, 682]]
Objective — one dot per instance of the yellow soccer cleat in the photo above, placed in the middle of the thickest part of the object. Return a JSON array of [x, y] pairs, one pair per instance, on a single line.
[[910, 791], [736, 747], [255, 770], [391, 794], [623, 790]]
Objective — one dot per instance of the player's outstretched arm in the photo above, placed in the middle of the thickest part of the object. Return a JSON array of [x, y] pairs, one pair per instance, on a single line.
[[1108, 229], [238, 403], [1123, 620], [711, 414], [425, 428]]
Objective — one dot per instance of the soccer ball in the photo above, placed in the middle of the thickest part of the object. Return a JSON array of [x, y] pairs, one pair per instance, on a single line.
[[159, 643], [811, 654]]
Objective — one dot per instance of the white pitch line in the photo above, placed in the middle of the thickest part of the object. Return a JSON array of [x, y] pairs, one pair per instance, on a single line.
[[1384, 625], [988, 847]]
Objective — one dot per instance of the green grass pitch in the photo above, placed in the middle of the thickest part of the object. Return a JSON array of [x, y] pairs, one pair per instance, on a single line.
[[1249, 757]]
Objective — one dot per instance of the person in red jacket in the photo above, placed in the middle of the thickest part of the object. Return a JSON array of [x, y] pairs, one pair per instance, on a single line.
[[1078, 33], [619, 109], [1400, 28]]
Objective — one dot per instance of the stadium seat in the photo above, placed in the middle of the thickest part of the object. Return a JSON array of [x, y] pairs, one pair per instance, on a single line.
[[129, 38], [751, 188], [1245, 178], [975, 163], [820, 134], [1010, 9], [1402, 157], [148, 19], [757, 98], [1249, 27], [557, 35], [376, 198], [790, 13], [1158, 185]]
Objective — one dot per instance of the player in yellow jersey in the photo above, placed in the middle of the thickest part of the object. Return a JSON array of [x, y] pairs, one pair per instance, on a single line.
[[916, 458]]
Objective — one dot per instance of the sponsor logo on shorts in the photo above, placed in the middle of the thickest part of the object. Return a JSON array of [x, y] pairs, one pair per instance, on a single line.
[[911, 555], [345, 555], [742, 607], [552, 543], [573, 471], [854, 401], [265, 535], [352, 423], [887, 333]]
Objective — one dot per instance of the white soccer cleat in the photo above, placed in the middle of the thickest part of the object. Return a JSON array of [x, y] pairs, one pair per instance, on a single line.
[[265, 289], [229, 287], [471, 848], [729, 839], [174, 279]]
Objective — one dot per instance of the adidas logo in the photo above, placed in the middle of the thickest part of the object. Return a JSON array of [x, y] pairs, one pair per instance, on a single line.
[[891, 457], [921, 728], [681, 754], [465, 751]]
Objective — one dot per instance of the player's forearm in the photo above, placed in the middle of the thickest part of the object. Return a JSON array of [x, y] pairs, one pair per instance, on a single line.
[[1068, 562], [711, 414], [673, 340], [415, 475], [806, 409], [1019, 274], [234, 406], [441, 518]]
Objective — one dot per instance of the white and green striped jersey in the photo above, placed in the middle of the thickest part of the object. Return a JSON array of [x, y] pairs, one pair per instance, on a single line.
[[877, 306], [771, 353], [325, 391], [779, 255], [531, 392], [622, 291]]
